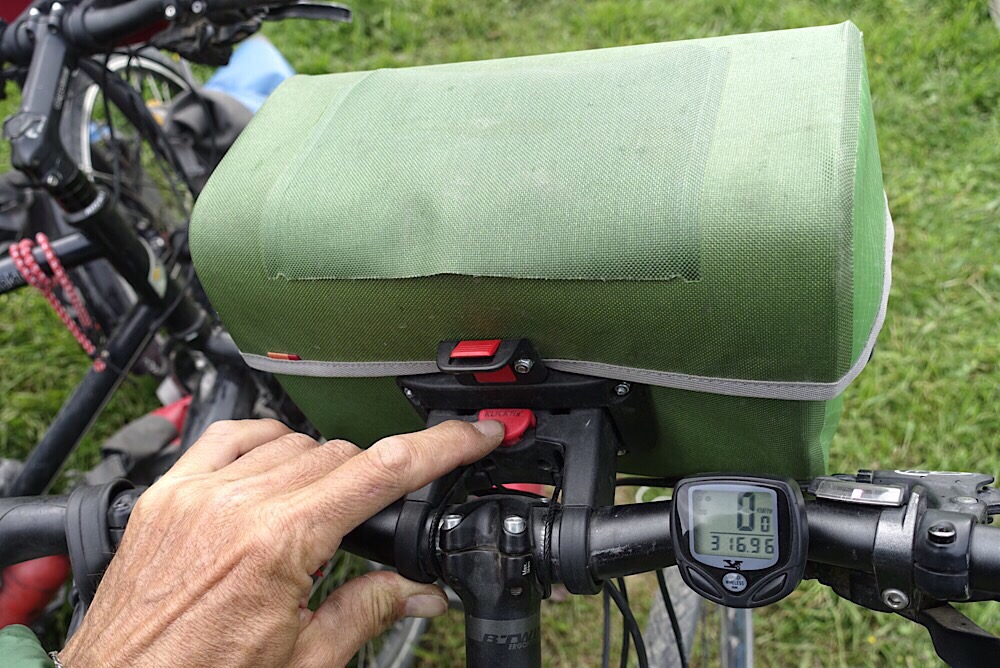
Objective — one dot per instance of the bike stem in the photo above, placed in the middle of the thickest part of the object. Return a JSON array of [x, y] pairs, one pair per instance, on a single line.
[[485, 552]]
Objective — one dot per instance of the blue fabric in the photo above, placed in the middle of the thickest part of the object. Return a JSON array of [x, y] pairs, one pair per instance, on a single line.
[[254, 70]]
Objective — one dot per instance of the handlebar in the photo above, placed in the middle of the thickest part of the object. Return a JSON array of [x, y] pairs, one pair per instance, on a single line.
[[94, 29], [621, 540]]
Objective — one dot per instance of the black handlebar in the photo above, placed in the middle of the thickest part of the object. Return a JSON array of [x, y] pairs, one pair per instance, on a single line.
[[623, 540], [32, 527], [94, 29]]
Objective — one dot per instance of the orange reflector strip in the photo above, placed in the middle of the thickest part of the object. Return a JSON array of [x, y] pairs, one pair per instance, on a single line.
[[284, 356]]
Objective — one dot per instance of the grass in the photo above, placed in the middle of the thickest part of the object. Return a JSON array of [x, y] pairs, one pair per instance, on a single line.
[[930, 396]]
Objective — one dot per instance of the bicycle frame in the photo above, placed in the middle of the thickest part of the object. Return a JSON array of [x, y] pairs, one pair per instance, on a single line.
[[104, 231]]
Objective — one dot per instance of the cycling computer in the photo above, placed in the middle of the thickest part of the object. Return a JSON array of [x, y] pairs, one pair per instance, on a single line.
[[740, 540]]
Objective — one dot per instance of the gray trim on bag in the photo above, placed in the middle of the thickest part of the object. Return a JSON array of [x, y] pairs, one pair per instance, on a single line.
[[792, 390]]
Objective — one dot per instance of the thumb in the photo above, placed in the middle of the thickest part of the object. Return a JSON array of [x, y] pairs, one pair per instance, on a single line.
[[360, 610]]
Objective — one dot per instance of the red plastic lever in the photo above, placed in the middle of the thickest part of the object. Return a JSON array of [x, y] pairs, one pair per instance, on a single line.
[[515, 421], [482, 348]]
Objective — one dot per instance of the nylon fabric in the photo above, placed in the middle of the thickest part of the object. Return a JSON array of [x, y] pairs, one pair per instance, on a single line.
[[710, 208]]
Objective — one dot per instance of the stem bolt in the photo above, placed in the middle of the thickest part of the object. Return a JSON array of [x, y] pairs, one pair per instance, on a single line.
[[197, 6], [450, 522], [942, 534], [52, 180], [621, 389], [966, 500], [514, 524], [170, 11], [408, 393], [895, 599], [524, 365]]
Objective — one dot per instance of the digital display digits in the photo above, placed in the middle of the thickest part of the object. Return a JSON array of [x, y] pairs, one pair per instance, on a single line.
[[734, 523]]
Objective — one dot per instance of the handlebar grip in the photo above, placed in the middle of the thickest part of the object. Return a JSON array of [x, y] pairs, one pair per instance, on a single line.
[[32, 527]]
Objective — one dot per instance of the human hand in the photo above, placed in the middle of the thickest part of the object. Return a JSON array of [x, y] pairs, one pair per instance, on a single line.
[[215, 565]]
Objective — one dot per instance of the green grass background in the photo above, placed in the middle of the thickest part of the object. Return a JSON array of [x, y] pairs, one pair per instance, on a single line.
[[929, 398]]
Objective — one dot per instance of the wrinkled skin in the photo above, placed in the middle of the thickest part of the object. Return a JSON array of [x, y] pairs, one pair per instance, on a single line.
[[214, 568]]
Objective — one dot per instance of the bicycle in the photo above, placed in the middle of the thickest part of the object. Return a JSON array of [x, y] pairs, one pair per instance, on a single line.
[[116, 243]]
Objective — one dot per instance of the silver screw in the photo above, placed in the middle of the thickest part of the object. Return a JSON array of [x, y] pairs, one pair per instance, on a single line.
[[56, 7], [450, 522], [170, 12], [408, 392], [621, 389], [523, 365], [966, 500], [197, 6], [895, 599], [622, 452], [942, 534], [514, 524], [52, 180], [33, 11]]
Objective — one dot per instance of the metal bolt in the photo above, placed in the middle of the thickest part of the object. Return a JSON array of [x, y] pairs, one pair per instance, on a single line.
[[621, 389], [622, 452], [895, 599], [450, 522], [408, 393], [56, 7], [523, 365], [52, 180], [197, 6], [516, 591], [33, 11], [967, 500], [514, 524], [942, 534], [170, 12]]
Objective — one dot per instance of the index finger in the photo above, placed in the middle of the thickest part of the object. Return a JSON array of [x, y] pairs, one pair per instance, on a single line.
[[365, 484]]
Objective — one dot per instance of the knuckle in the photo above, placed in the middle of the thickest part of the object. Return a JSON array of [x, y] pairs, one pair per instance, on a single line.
[[391, 457], [295, 441], [342, 450], [221, 430]]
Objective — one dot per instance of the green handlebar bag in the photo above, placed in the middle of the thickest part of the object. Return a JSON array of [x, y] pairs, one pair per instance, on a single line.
[[703, 217]]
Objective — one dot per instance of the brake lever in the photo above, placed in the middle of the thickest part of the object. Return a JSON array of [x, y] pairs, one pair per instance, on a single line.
[[315, 11], [958, 640]]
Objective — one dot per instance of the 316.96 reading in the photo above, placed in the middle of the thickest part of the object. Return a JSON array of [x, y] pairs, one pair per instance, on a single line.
[[733, 523]]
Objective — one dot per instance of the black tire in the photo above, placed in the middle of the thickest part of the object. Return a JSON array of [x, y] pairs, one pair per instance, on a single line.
[[661, 647]]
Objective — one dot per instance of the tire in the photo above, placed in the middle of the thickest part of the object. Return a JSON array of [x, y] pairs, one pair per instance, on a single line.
[[661, 647]]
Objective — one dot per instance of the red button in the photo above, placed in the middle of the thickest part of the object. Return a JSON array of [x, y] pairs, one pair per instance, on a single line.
[[484, 348], [515, 421]]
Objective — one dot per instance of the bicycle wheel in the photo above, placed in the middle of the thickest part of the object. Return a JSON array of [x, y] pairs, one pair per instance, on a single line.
[[661, 646]]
